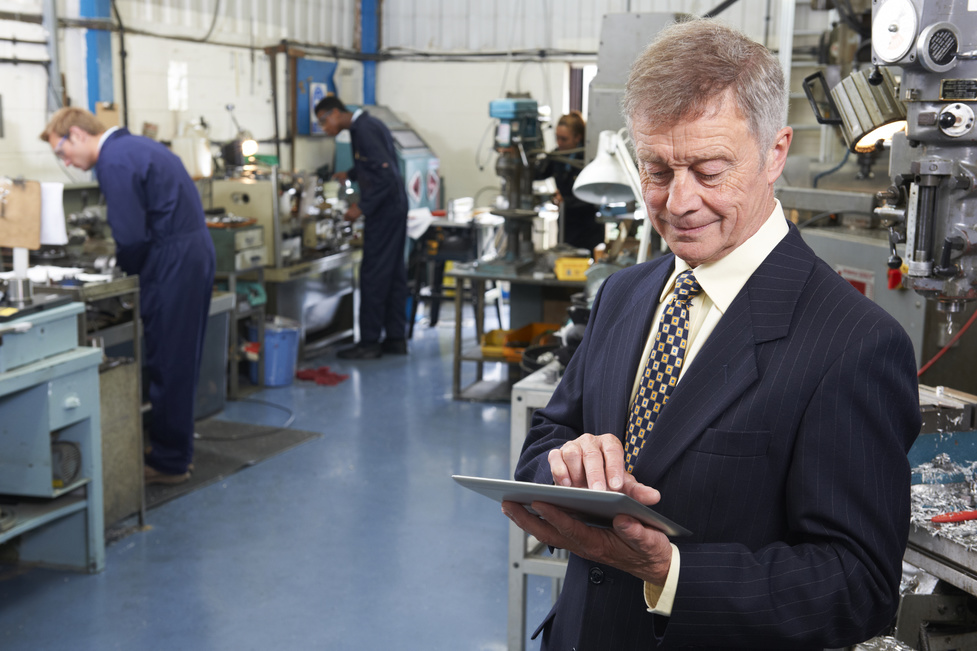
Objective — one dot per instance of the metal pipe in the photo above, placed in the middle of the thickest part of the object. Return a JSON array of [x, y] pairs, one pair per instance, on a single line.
[[723, 6], [29, 61], [16, 40], [50, 23], [273, 59], [122, 63]]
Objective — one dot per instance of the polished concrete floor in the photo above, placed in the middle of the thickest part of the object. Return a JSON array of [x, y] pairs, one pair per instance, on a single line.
[[356, 540]]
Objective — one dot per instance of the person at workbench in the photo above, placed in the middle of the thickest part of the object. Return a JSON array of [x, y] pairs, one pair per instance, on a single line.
[[157, 222], [383, 202], [580, 226]]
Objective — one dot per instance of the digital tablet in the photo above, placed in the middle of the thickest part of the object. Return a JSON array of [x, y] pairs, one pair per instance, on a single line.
[[596, 508]]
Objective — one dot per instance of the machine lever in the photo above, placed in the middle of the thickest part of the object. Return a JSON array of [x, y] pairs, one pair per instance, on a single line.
[[894, 261], [947, 269]]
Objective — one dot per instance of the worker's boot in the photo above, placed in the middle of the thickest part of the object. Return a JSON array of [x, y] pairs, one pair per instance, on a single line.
[[394, 346], [361, 351]]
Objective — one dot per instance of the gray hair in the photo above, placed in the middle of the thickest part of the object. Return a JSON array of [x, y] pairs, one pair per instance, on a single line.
[[692, 64]]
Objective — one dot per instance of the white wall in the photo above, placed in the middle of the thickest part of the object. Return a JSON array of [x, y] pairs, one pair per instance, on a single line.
[[448, 104]]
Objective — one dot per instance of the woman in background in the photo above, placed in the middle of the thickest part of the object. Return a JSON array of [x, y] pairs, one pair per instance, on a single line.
[[580, 227]]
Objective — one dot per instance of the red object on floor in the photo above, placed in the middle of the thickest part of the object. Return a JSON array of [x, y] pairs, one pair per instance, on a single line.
[[321, 376]]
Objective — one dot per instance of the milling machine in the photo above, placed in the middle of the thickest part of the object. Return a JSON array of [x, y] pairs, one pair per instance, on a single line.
[[922, 85], [518, 139]]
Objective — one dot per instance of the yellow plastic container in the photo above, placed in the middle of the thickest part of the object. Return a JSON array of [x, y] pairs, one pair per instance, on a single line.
[[493, 343], [509, 345], [571, 268]]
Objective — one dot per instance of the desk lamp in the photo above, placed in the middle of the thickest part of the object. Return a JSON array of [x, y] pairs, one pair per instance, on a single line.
[[613, 178], [237, 152]]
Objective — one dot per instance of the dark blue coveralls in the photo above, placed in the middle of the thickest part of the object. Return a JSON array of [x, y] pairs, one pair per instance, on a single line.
[[157, 221], [383, 200]]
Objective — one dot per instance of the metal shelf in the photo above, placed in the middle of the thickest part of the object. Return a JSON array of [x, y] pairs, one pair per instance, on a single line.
[[37, 513]]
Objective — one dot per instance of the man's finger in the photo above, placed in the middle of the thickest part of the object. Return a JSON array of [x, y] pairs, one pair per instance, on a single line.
[[613, 453]]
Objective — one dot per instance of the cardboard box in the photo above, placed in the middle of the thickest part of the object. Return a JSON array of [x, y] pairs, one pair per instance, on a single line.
[[108, 114]]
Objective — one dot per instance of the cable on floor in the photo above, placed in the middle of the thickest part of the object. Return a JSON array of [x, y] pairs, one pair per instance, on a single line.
[[282, 428]]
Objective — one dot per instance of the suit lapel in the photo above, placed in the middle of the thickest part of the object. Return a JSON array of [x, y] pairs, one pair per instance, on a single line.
[[726, 366]]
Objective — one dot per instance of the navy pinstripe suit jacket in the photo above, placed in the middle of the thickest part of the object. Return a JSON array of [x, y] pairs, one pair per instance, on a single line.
[[783, 449]]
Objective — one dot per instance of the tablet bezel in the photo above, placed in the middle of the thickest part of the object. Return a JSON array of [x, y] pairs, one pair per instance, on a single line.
[[593, 507]]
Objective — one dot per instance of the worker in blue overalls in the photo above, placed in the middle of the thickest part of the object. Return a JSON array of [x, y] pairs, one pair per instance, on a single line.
[[383, 200], [157, 221]]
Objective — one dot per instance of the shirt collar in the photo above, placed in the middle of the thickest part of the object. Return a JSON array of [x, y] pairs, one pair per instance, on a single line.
[[722, 280], [104, 137], [357, 113]]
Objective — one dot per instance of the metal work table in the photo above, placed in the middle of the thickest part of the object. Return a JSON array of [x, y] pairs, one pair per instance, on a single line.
[[949, 421], [121, 390], [320, 295], [526, 554], [125, 288], [526, 296]]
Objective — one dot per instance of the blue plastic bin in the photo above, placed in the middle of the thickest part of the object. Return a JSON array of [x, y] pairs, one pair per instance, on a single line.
[[281, 348]]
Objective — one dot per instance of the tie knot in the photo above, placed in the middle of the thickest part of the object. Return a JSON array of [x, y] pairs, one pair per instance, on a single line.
[[686, 286]]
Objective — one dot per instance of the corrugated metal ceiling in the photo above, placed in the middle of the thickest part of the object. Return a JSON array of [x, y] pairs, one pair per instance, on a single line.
[[430, 26]]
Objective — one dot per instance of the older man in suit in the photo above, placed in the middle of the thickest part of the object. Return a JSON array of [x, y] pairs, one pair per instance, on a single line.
[[771, 416]]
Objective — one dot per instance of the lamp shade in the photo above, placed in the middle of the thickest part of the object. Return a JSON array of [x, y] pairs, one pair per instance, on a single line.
[[604, 180], [869, 112]]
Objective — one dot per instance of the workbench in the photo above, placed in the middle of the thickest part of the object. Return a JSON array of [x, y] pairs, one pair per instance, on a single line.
[[320, 294], [50, 443], [526, 554], [527, 294]]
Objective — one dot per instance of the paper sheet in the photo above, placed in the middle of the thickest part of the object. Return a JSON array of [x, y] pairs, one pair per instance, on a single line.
[[418, 220], [53, 229]]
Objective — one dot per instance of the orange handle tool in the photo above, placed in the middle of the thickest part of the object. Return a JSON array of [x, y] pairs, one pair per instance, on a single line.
[[959, 516]]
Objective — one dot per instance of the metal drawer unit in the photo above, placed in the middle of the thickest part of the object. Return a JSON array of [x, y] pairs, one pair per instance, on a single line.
[[239, 248], [51, 461], [39, 335]]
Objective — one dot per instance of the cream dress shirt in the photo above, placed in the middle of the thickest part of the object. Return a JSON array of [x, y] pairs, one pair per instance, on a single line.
[[721, 281]]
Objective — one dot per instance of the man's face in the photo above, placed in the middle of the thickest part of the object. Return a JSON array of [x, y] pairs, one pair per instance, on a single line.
[[706, 186], [75, 148], [330, 121]]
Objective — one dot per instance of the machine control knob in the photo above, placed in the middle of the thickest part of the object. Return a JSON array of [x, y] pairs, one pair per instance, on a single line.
[[956, 120]]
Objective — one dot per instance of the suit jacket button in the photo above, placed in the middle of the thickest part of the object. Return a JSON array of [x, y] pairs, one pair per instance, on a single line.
[[596, 575]]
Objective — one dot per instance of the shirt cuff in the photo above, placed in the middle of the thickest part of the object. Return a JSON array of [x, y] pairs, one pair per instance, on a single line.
[[661, 598]]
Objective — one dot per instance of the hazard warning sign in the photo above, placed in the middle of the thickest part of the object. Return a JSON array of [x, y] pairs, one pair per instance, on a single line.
[[414, 187]]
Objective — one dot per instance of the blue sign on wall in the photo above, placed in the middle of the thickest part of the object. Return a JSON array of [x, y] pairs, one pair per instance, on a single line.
[[313, 79]]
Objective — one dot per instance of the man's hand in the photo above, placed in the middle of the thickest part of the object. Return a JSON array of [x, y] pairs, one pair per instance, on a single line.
[[641, 551], [340, 176], [597, 462], [591, 462], [353, 212]]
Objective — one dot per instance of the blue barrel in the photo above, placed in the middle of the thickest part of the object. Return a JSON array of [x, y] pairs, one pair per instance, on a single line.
[[281, 349]]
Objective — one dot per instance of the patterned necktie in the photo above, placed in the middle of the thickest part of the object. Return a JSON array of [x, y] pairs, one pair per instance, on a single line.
[[663, 367]]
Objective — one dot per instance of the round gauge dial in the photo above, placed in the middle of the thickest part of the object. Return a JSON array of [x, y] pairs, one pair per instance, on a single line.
[[894, 30]]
